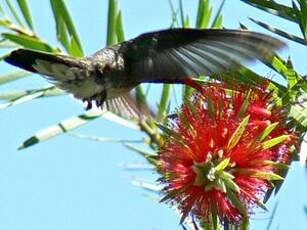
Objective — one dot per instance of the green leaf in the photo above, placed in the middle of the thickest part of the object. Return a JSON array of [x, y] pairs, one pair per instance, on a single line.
[[267, 131], [299, 114], [186, 22], [267, 175], [261, 174], [237, 202], [61, 30], [300, 17], [245, 105], [235, 138], [63, 12], [280, 32], [147, 186], [23, 5], [164, 100], [245, 224], [104, 139], [112, 18], [75, 48], [223, 164], [275, 141], [218, 24], [273, 8], [9, 77], [181, 12], [217, 21], [230, 183], [28, 42], [60, 128], [285, 70], [149, 156], [7, 44], [262, 205], [5, 23], [204, 14], [22, 99], [47, 92], [276, 165], [14, 12], [119, 28]]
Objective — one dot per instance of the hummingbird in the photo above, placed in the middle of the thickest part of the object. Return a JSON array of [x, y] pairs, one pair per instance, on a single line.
[[164, 56]]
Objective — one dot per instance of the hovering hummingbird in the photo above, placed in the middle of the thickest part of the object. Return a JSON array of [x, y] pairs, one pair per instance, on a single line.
[[165, 56]]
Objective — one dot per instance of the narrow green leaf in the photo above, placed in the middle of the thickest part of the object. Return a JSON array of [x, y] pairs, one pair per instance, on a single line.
[[245, 224], [204, 14], [28, 42], [280, 32], [186, 22], [235, 138], [181, 12], [164, 100], [61, 30], [119, 28], [300, 18], [147, 186], [22, 99], [7, 44], [217, 21], [214, 220], [75, 48], [254, 173], [276, 165], [211, 108], [230, 183], [9, 77], [267, 175], [223, 164], [218, 24], [227, 175], [275, 141], [105, 139], [169, 131], [149, 156], [237, 202], [63, 10], [48, 92], [5, 23], [23, 5], [14, 12], [267, 131], [112, 18], [274, 8], [245, 105], [285, 70], [299, 114], [262, 205], [60, 128]]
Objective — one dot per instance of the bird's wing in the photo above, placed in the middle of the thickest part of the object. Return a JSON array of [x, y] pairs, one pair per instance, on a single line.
[[127, 106], [171, 55]]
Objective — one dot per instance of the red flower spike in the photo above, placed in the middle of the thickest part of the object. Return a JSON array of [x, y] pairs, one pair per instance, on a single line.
[[216, 164]]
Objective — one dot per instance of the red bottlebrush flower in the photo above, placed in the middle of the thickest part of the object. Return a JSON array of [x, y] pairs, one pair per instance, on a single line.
[[221, 152]]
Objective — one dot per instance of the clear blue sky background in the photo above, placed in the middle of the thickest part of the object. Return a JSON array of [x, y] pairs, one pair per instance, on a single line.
[[67, 183]]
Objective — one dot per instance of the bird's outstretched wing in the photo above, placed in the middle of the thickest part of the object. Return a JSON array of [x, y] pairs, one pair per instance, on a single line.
[[171, 55], [72, 74]]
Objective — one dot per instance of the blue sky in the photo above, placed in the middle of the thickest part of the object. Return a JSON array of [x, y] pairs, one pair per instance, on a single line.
[[68, 183]]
